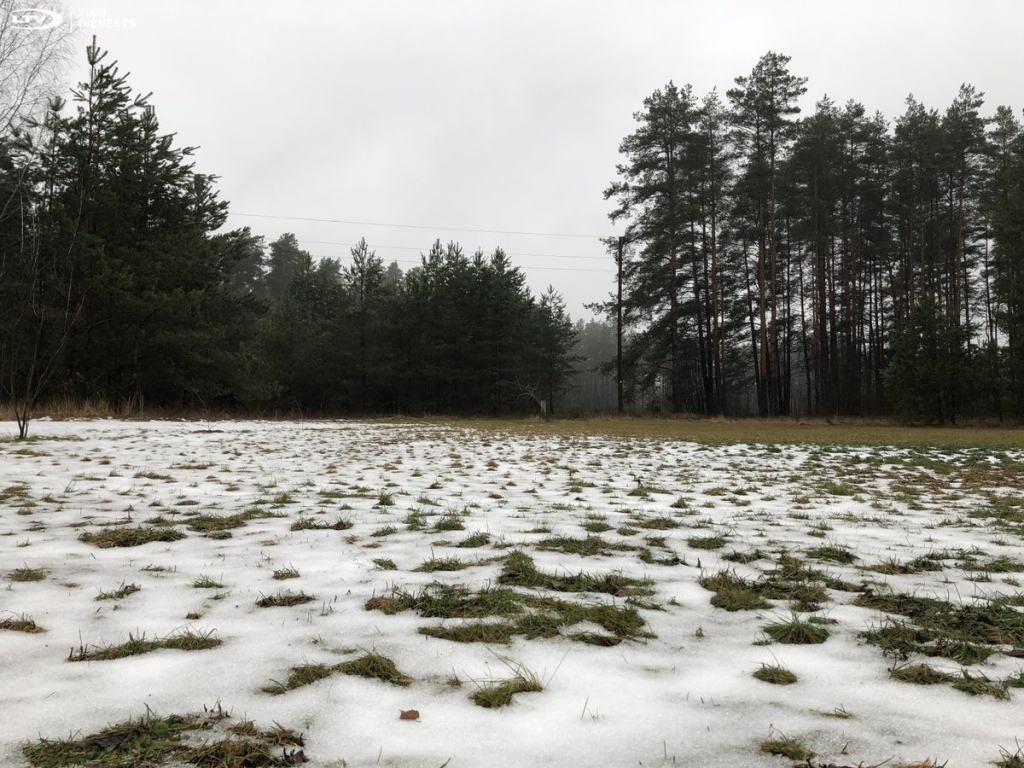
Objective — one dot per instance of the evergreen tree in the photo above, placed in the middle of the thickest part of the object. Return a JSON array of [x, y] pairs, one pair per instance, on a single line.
[[763, 104], [652, 196], [283, 264]]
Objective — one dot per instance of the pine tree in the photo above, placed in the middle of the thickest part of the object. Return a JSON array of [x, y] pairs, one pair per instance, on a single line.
[[763, 104], [652, 196]]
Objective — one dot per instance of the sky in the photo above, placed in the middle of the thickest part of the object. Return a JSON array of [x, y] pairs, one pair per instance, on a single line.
[[684, 696], [436, 118]]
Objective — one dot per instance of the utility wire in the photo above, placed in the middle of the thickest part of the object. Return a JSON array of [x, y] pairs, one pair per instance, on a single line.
[[424, 250], [416, 226], [529, 269]]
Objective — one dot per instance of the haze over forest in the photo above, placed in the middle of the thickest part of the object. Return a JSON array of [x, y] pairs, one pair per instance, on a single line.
[[775, 262]]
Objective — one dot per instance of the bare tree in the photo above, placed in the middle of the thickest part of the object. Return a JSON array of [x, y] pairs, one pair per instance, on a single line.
[[34, 48], [32, 60]]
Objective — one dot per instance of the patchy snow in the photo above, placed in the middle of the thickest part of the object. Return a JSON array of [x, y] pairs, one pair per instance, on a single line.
[[684, 697]]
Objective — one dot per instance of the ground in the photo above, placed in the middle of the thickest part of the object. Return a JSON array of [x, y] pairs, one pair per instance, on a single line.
[[538, 598]]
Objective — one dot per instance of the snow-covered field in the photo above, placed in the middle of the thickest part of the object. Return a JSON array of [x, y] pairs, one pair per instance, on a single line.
[[818, 538]]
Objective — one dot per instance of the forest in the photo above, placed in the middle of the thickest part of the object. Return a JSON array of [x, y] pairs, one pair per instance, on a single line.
[[827, 265], [772, 265]]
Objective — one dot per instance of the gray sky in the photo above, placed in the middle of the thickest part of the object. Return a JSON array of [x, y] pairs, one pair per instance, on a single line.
[[495, 114]]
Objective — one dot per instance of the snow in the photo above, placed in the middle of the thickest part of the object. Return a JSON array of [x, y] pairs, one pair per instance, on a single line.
[[676, 699]]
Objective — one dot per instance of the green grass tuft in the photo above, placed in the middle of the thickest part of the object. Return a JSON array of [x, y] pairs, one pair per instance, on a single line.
[[291, 572], [501, 693], [116, 594], [27, 574], [154, 741], [309, 524], [919, 674], [712, 542], [285, 598], [793, 749], [733, 593], [305, 674], [775, 674], [22, 623], [135, 646], [130, 537], [205, 582], [376, 666], [797, 631]]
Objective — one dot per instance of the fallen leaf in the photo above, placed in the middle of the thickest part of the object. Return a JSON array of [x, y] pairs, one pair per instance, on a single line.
[[409, 714]]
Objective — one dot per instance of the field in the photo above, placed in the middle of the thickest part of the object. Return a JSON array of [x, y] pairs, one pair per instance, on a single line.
[[424, 594]]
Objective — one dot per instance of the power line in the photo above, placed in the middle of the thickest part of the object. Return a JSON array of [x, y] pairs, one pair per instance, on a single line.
[[546, 269], [424, 250], [415, 226]]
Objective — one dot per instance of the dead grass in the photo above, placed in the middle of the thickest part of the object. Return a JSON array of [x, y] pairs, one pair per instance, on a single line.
[[284, 599], [770, 431], [22, 623]]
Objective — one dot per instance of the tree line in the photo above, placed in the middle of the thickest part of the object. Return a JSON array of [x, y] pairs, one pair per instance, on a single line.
[[116, 284], [770, 265], [834, 264]]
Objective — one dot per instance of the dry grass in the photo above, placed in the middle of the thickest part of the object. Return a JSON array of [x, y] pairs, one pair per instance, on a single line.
[[804, 431], [801, 432]]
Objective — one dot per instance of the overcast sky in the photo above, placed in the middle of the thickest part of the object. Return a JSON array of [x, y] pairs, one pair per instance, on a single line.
[[499, 114]]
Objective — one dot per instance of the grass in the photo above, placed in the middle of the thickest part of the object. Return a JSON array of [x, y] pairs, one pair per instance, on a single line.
[[500, 693], [712, 542], [26, 574], [793, 749], [967, 634], [152, 741], [586, 547], [733, 593], [309, 524], [121, 592], [1009, 759], [490, 633], [479, 539], [284, 599], [376, 666], [980, 685], [775, 674], [217, 523], [449, 521], [370, 665], [832, 554], [527, 615], [306, 674], [919, 674], [442, 564], [519, 570], [22, 623], [291, 572], [843, 432], [205, 582], [188, 640], [797, 631], [130, 537], [660, 523]]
